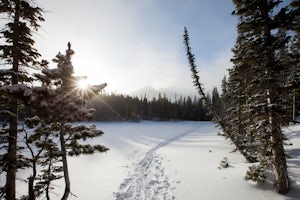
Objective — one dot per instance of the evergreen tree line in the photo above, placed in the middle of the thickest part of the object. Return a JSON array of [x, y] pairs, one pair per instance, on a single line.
[[112, 107], [259, 97]]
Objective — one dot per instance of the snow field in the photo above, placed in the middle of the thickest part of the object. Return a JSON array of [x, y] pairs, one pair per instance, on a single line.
[[131, 169], [168, 161]]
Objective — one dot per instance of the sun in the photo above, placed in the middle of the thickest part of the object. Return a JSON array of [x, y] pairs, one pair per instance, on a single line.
[[83, 84]]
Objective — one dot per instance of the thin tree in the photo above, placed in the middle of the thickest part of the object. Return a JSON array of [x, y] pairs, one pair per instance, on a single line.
[[206, 101], [59, 102]]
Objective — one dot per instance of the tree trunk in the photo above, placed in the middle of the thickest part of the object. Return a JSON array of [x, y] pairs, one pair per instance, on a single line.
[[282, 179], [31, 188], [48, 182], [12, 156], [294, 105], [31, 181], [13, 130], [65, 163]]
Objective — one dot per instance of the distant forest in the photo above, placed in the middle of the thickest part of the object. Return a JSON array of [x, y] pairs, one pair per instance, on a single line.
[[118, 107]]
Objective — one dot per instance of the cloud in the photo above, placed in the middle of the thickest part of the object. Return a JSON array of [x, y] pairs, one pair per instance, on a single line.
[[133, 44], [213, 71]]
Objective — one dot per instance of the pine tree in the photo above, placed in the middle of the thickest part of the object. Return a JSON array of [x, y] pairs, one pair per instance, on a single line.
[[239, 121], [59, 103], [21, 18], [217, 102], [222, 122], [196, 79], [293, 77], [224, 95], [258, 24], [44, 154], [294, 24]]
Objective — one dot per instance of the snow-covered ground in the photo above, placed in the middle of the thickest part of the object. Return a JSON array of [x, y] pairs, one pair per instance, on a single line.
[[171, 160]]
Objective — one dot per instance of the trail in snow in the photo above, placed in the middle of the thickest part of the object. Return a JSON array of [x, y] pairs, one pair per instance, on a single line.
[[149, 181]]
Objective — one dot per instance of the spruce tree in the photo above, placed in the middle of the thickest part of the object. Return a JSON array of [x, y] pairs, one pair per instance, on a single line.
[[44, 158], [236, 120], [20, 19], [295, 24], [293, 78], [217, 102], [59, 103], [222, 122], [257, 28], [196, 79]]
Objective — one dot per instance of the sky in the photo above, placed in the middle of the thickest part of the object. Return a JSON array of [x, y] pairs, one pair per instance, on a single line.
[[132, 44]]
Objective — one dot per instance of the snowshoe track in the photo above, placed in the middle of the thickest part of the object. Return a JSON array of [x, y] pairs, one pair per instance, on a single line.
[[149, 181]]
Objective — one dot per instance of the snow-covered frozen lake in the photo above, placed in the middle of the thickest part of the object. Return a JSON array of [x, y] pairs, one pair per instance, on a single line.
[[169, 160]]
